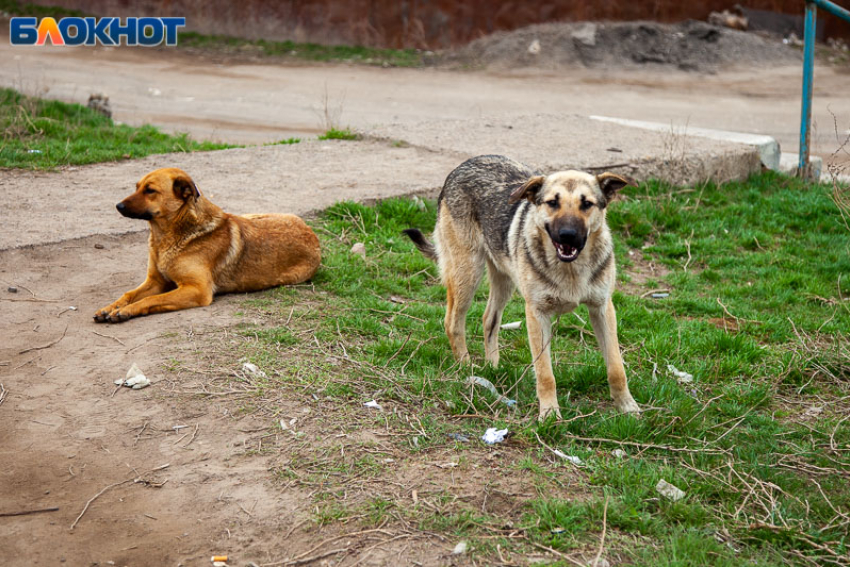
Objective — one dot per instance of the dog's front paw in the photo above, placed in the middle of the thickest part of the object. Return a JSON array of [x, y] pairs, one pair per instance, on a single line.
[[549, 410], [102, 315], [118, 316], [627, 404]]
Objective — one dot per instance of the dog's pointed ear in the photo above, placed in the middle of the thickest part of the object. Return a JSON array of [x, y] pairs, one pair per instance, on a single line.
[[184, 188], [528, 190], [610, 183]]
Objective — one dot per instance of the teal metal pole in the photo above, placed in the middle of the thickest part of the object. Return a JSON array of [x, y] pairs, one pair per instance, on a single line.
[[832, 8], [808, 83]]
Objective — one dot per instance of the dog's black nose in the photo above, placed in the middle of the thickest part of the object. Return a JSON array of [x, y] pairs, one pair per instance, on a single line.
[[567, 235], [120, 207]]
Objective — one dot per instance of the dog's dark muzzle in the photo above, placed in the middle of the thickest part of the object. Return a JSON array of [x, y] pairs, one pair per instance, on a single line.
[[568, 242], [131, 214]]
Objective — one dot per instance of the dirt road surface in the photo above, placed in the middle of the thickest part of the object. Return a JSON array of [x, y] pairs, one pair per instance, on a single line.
[[255, 102]]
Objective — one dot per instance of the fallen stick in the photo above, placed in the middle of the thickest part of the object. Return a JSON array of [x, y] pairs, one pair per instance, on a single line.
[[99, 494], [558, 553], [28, 512], [48, 345], [646, 445], [117, 340], [604, 529]]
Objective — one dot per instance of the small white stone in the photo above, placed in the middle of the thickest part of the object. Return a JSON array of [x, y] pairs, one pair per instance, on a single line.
[[667, 490], [360, 249]]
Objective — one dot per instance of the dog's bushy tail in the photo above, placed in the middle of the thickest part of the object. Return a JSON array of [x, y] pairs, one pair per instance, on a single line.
[[425, 246]]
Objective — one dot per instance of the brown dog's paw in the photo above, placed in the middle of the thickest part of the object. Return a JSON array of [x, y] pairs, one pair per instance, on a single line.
[[118, 316], [101, 315]]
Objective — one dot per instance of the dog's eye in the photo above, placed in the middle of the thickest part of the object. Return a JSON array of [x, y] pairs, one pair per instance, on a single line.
[[553, 203], [148, 191], [585, 205]]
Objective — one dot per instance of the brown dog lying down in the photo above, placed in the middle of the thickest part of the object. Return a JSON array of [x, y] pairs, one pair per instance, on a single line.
[[198, 250]]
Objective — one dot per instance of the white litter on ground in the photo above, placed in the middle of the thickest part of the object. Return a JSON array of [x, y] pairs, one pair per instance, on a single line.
[[460, 548], [667, 490], [571, 458], [511, 326], [683, 377], [135, 379], [485, 383], [374, 405], [619, 453], [493, 435], [253, 370]]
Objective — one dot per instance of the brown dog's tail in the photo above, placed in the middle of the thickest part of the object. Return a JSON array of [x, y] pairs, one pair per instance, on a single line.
[[425, 246]]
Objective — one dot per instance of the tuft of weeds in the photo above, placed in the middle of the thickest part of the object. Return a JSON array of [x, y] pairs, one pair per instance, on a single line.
[[285, 142], [339, 134]]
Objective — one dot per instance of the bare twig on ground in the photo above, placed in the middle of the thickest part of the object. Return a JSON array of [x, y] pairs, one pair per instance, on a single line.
[[558, 553], [31, 299], [604, 529], [737, 319], [2, 394], [688, 244], [99, 494], [116, 339], [306, 558], [28, 512], [194, 434], [48, 345], [647, 445], [650, 292]]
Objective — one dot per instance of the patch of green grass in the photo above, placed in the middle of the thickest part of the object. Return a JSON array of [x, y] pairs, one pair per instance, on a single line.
[[757, 313], [339, 134], [42, 134], [305, 51], [286, 142]]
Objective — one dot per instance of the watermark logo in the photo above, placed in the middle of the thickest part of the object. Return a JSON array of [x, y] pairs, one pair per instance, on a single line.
[[147, 32]]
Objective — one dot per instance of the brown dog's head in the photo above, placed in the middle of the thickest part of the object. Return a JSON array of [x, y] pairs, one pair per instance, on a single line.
[[570, 205], [160, 194]]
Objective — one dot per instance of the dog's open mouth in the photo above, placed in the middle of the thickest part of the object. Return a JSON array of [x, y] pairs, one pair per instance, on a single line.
[[565, 252]]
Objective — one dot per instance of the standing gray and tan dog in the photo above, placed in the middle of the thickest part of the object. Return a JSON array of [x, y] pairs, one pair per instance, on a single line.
[[545, 235]]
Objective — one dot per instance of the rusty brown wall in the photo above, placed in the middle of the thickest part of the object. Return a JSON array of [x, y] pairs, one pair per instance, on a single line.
[[424, 24]]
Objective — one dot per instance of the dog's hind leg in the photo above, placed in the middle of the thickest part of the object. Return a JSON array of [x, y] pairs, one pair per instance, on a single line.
[[501, 288], [462, 276], [604, 321]]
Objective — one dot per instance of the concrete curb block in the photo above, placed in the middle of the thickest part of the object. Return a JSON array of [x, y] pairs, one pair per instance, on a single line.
[[788, 164], [768, 147]]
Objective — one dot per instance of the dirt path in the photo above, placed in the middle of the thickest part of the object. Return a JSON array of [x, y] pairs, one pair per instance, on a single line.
[[67, 434], [186, 468], [259, 102]]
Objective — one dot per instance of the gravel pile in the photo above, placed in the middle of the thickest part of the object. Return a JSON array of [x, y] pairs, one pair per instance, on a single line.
[[688, 46]]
